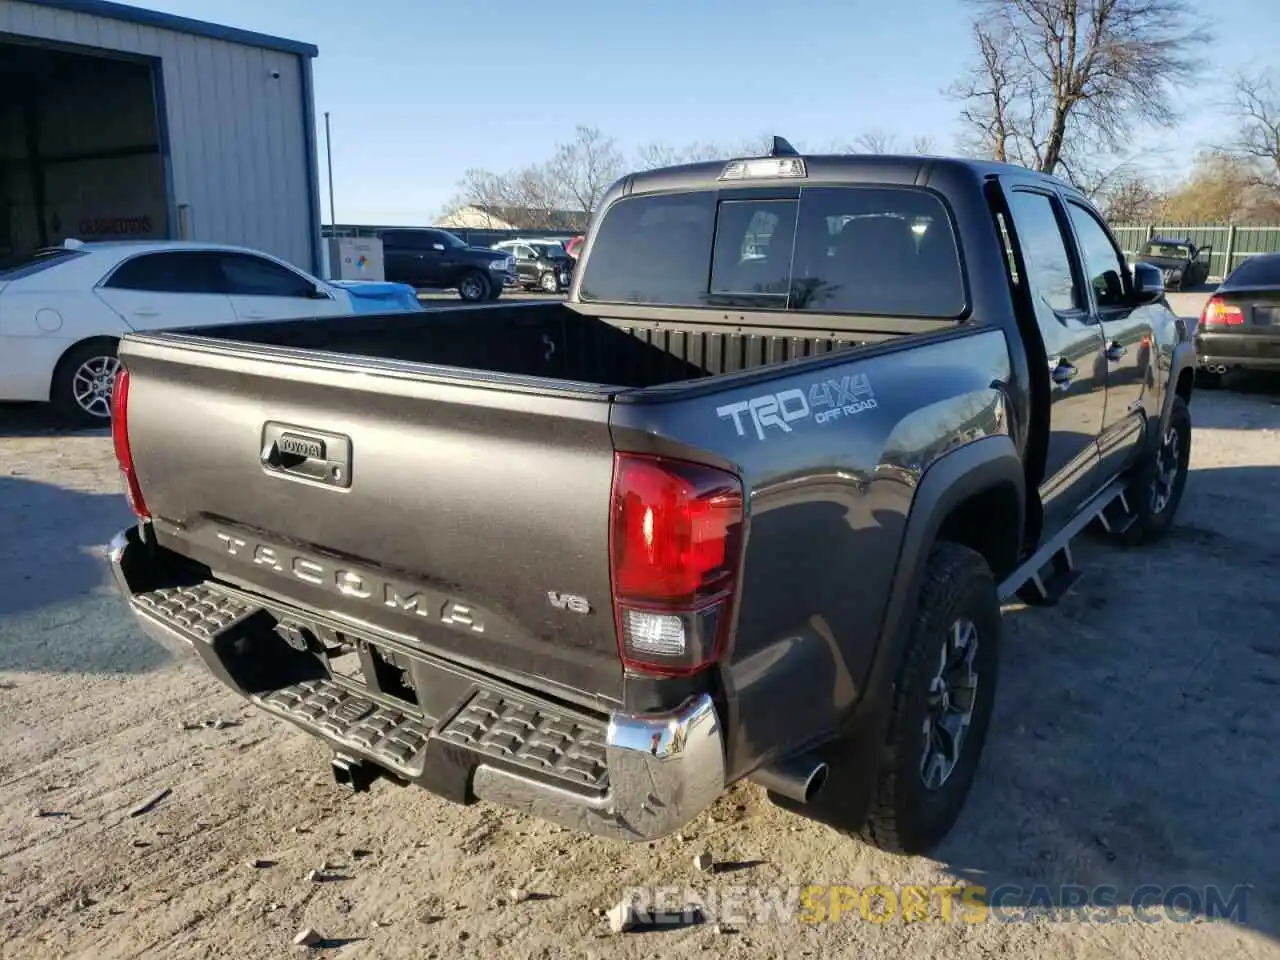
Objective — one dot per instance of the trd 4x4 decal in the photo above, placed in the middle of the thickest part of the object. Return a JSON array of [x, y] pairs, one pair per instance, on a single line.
[[825, 400]]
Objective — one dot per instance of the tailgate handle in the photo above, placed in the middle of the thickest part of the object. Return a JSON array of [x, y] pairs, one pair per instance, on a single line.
[[312, 456]]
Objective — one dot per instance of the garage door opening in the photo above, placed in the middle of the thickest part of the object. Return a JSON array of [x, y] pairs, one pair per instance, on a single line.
[[80, 149]]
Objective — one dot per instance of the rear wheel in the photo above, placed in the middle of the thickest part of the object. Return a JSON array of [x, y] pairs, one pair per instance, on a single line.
[[1157, 486], [941, 709], [81, 388], [473, 286]]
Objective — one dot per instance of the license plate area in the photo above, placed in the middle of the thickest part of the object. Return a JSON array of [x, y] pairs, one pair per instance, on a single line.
[[355, 661]]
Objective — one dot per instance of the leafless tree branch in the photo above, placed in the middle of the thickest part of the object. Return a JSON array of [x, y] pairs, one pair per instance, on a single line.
[[1057, 83]]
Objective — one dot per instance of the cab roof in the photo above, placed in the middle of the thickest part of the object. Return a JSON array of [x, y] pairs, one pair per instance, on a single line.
[[829, 169]]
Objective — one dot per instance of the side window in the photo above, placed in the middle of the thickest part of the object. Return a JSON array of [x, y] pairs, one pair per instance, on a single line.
[[248, 276], [392, 239], [184, 272], [523, 252], [1044, 251], [1103, 264], [428, 240]]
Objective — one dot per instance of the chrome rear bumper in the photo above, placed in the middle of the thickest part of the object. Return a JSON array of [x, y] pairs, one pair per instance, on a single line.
[[637, 777]]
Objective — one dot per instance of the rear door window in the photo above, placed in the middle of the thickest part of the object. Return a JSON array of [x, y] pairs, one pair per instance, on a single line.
[[863, 250], [174, 272]]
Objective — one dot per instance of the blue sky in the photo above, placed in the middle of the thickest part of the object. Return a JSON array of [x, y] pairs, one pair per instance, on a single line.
[[420, 91]]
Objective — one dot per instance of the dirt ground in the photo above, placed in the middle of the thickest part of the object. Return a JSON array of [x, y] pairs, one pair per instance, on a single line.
[[1134, 744]]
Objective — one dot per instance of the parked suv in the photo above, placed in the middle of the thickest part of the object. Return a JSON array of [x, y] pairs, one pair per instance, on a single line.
[[540, 264], [438, 260]]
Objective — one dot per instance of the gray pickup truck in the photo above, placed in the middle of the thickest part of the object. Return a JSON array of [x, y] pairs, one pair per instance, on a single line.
[[746, 506]]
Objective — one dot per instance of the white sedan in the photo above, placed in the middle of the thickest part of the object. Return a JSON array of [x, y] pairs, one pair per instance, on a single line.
[[63, 309]]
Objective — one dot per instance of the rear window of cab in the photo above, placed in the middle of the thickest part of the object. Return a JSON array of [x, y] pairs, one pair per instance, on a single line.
[[887, 251]]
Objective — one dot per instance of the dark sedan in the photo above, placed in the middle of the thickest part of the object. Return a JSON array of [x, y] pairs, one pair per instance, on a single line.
[[1240, 326]]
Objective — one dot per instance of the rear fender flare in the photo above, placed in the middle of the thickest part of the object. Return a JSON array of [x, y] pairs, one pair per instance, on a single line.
[[1183, 358], [972, 469]]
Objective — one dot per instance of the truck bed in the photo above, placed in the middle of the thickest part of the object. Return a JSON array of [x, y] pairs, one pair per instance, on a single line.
[[563, 341], [460, 471]]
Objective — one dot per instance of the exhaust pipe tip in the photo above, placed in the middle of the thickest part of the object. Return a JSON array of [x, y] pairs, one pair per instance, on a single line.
[[800, 779], [817, 780]]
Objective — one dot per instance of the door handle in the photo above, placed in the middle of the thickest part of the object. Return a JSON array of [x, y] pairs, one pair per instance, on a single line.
[[146, 313], [254, 316], [1063, 373], [295, 453], [1116, 350]]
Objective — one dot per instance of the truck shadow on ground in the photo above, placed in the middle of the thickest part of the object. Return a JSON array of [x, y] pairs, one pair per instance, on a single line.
[[1132, 752], [58, 611], [39, 420]]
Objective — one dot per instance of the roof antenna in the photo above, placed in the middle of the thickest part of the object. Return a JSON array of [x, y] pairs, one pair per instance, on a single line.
[[781, 148]]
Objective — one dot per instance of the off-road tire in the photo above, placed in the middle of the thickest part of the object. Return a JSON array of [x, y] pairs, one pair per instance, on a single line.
[[904, 817], [62, 390], [1151, 523]]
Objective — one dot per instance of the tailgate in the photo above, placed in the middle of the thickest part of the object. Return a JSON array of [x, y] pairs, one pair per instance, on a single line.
[[397, 501]]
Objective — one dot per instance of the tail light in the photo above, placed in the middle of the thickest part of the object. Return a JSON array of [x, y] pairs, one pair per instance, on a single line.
[[675, 545], [1219, 313], [120, 440]]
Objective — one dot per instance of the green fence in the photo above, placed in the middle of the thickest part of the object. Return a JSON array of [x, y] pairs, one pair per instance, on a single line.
[[1230, 243]]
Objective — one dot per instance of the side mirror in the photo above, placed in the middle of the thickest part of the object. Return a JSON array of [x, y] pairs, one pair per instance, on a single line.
[[1148, 283], [438, 247]]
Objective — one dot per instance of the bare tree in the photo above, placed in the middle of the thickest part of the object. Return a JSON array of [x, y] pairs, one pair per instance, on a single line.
[[1257, 105], [1132, 199], [1058, 83], [658, 154], [582, 170], [875, 141], [486, 192], [923, 144]]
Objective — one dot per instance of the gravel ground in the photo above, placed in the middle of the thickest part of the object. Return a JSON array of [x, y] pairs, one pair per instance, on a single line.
[[1133, 744]]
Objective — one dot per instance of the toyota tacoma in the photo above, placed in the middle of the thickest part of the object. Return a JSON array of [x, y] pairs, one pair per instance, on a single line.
[[745, 506]]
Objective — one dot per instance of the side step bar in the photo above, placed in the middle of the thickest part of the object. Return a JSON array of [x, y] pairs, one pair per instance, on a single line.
[[1035, 585]]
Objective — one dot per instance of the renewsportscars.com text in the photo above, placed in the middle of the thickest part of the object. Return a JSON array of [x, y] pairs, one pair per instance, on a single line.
[[971, 904]]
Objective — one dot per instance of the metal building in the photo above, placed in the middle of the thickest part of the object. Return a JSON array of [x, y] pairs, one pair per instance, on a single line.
[[118, 122]]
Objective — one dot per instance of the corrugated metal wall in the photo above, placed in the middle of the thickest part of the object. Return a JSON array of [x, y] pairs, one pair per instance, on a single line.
[[237, 137]]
